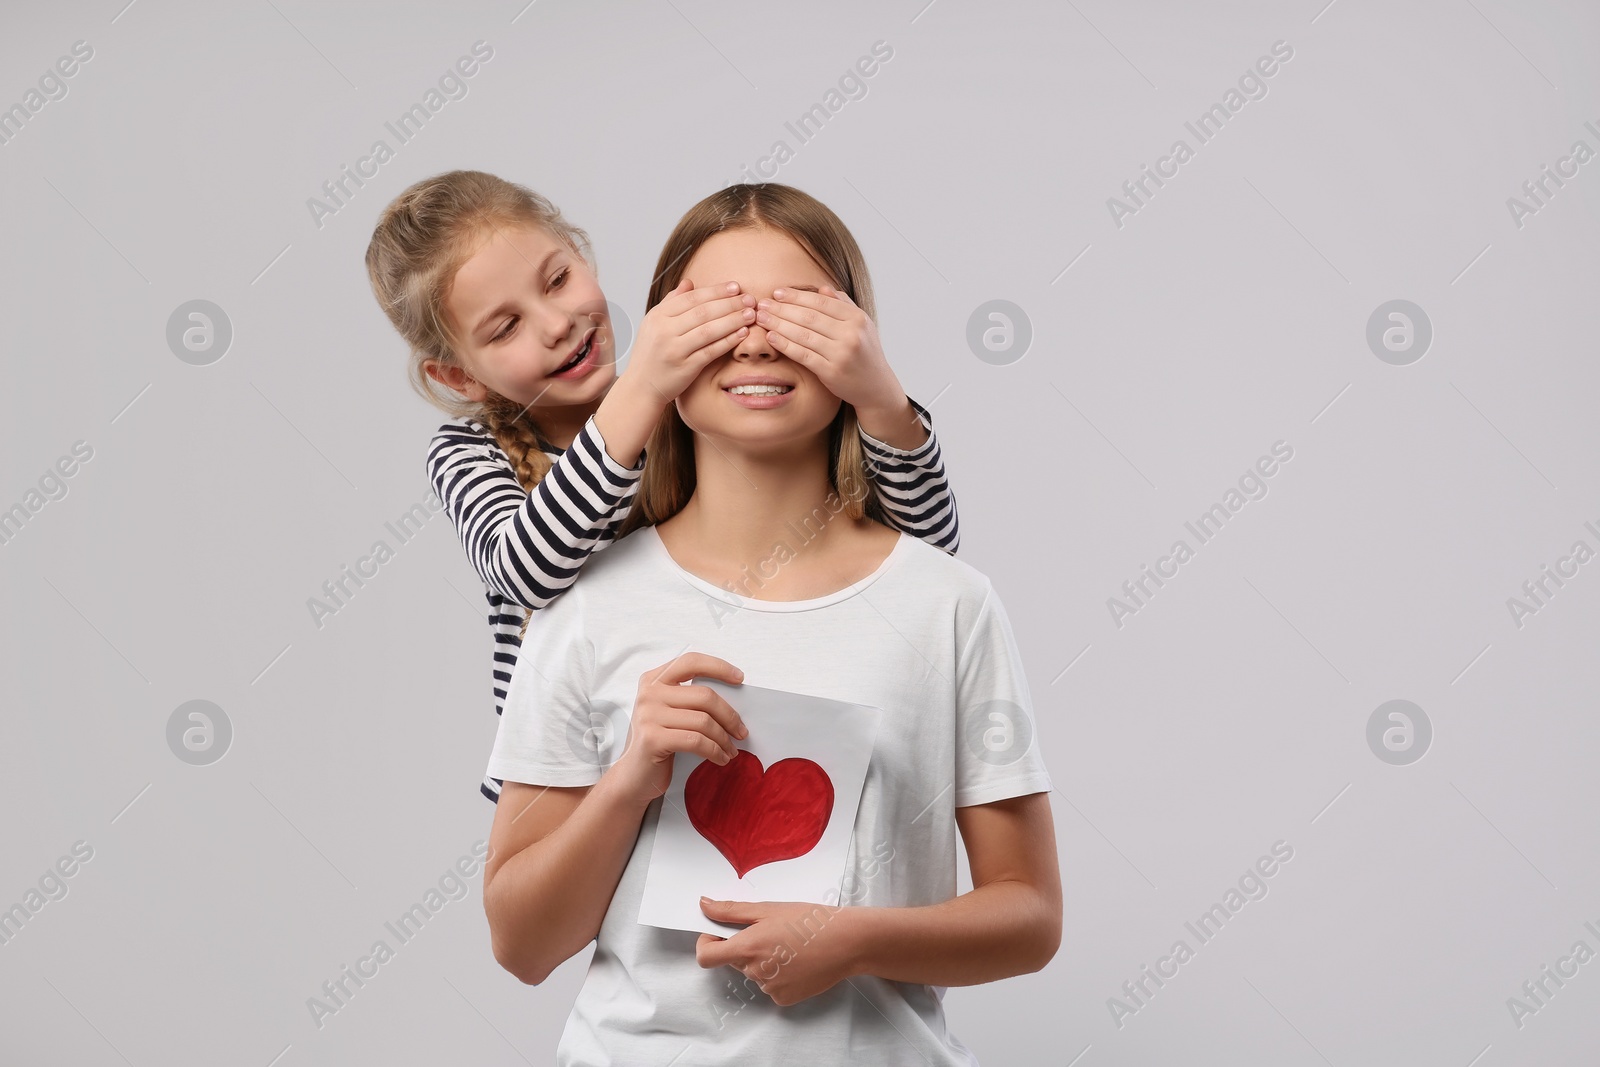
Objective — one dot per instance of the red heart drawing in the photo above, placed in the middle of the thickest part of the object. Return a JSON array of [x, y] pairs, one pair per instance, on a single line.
[[755, 816]]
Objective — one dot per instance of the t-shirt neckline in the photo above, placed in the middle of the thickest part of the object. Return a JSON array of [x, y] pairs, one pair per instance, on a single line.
[[727, 596]]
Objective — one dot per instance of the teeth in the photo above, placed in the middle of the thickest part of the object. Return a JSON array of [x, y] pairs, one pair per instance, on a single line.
[[759, 390], [575, 360]]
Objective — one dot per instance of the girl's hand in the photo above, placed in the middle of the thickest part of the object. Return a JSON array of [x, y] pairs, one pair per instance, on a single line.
[[688, 329], [767, 952], [838, 342], [669, 717]]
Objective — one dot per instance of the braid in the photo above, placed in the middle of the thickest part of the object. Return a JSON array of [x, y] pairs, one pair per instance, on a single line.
[[519, 438]]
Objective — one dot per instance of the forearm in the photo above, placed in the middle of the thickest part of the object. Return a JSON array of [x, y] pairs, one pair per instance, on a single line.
[[528, 544], [997, 930], [626, 417], [894, 424], [547, 902], [912, 485]]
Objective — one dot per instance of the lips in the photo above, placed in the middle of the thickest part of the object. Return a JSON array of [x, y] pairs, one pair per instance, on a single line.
[[583, 350]]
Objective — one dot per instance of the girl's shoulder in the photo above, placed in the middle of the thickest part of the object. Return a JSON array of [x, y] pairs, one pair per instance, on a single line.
[[464, 430], [468, 435], [463, 442]]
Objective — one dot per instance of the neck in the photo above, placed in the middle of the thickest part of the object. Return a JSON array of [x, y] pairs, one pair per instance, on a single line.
[[748, 500]]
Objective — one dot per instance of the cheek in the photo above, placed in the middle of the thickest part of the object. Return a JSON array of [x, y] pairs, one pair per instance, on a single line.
[[701, 395], [819, 400], [697, 402], [587, 289]]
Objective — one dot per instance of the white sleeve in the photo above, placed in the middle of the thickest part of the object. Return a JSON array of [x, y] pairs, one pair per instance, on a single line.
[[548, 725], [998, 754]]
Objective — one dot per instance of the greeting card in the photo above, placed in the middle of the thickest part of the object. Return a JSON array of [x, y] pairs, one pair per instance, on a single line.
[[774, 823]]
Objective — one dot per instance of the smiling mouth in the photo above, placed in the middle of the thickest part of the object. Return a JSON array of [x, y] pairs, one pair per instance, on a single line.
[[759, 390], [583, 350]]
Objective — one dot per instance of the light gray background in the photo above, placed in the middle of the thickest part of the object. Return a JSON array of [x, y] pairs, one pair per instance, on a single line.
[[1229, 313]]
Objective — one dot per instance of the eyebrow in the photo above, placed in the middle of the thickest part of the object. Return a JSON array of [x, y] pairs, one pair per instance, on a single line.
[[506, 305]]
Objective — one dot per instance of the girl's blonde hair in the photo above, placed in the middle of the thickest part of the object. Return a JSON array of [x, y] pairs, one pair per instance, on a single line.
[[669, 477], [422, 238]]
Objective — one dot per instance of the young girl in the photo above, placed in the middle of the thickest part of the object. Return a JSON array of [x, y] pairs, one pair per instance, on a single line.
[[854, 611], [494, 293]]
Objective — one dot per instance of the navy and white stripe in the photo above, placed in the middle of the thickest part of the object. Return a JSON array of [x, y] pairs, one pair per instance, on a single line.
[[913, 488], [528, 546]]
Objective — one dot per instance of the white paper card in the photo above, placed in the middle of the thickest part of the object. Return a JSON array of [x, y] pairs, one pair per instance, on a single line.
[[765, 818]]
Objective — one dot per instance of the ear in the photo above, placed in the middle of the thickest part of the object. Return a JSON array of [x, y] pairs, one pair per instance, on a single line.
[[457, 379]]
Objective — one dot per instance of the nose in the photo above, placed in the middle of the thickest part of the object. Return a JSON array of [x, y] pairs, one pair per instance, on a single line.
[[552, 322], [755, 345]]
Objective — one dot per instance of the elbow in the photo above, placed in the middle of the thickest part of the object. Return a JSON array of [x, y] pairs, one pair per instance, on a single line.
[[1045, 935], [511, 951], [1039, 951], [524, 969], [528, 977], [1048, 943]]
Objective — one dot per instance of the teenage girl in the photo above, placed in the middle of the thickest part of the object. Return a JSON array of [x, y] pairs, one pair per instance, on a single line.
[[495, 294], [859, 612]]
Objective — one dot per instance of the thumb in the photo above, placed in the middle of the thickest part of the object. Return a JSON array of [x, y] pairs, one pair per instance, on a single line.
[[731, 911]]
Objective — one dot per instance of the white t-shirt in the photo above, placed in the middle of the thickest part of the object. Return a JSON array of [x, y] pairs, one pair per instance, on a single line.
[[924, 638]]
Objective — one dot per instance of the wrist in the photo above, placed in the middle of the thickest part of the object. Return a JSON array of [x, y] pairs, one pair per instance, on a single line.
[[617, 789], [895, 423], [625, 419], [634, 391], [856, 923], [887, 401]]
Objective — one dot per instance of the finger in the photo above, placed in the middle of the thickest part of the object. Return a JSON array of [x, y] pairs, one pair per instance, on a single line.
[[717, 329], [695, 743], [722, 290], [815, 340], [705, 700], [733, 308], [734, 911], [669, 300], [778, 312], [688, 664], [684, 285], [722, 345], [713, 951], [694, 720], [808, 358], [839, 294], [722, 303], [820, 302]]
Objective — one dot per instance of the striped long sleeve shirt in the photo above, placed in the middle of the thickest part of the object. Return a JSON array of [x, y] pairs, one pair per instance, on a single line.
[[529, 545]]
